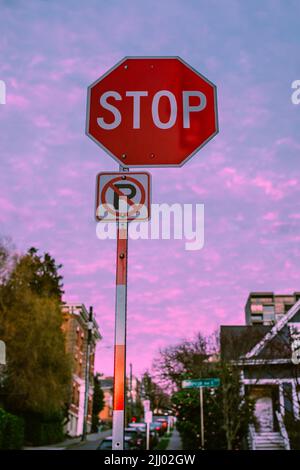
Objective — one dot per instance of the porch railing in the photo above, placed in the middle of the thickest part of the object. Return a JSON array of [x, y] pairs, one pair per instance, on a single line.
[[251, 437], [283, 431]]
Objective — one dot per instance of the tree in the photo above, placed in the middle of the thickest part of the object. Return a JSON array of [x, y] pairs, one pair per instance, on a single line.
[[38, 373], [159, 400], [237, 409], [38, 370], [226, 412], [187, 407], [98, 402], [188, 359], [39, 273]]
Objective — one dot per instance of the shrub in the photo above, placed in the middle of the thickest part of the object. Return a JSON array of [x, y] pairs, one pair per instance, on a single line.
[[293, 430], [41, 429], [11, 431]]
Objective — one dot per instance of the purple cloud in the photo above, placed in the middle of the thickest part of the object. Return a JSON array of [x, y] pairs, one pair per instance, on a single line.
[[247, 177]]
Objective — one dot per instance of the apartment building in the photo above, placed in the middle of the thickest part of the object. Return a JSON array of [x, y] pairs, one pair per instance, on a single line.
[[267, 308], [75, 327]]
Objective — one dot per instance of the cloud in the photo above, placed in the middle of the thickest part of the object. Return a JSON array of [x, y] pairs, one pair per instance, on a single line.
[[247, 177]]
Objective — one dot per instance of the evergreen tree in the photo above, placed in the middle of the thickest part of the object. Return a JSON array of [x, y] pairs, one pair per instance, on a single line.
[[153, 392], [98, 402], [38, 376], [227, 413]]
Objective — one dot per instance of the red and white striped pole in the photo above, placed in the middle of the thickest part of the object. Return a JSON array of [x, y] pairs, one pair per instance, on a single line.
[[120, 329]]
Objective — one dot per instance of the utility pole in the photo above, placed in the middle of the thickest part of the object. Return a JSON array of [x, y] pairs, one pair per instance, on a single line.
[[87, 374]]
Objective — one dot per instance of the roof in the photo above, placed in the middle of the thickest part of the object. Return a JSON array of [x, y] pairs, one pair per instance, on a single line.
[[259, 342], [270, 335], [106, 383], [81, 312], [236, 341]]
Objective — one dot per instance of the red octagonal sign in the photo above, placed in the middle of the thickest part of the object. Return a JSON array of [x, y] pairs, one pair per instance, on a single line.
[[153, 111]]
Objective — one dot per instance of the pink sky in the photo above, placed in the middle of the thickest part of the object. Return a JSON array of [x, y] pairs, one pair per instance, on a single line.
[[247, 177]]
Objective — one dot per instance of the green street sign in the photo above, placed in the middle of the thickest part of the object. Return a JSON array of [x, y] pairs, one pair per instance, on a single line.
[[199, 383]]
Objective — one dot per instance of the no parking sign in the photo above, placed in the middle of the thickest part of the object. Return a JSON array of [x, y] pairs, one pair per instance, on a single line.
[[123, 196]]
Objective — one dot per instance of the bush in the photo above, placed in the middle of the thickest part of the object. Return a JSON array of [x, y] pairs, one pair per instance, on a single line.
[[293, 430], [11, 431], [41, 430]]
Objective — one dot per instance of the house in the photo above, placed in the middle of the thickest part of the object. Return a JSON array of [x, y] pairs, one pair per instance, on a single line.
[[268, 356], [133, 386], [75, 328], [107, 384]]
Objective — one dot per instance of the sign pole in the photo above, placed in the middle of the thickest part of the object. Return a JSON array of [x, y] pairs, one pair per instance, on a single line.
[[201, 418], [148, 421], [148, 436], [120, 333], [211, 382]]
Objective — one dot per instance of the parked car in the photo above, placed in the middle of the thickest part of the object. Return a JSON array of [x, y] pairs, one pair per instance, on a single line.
[[158, 426], [137, 425], [153, 432], [106, 444], [136, 434], [163, 420]]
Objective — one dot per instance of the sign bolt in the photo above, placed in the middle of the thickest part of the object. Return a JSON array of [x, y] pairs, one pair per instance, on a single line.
[[122, 256], [123, 155]]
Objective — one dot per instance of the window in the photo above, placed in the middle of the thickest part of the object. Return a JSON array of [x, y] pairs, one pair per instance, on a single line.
[[79, 368], [90, 406], [287, 307], [269, 313], [257, 318], [78, 339], [256, 308]]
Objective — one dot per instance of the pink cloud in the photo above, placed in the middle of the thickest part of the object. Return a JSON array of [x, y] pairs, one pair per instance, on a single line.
[[18, 101], [270, 216]]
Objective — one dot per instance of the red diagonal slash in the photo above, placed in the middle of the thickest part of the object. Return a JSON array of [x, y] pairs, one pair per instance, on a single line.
[[134, 206], [116, 190]]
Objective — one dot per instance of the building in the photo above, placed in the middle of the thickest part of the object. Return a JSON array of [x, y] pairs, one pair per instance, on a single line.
[[133, 390], [267, 352], [266, 308], [107, 384], [133, 385], [75, 327]]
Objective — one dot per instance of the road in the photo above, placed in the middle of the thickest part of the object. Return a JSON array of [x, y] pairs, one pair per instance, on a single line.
[[92, 442]]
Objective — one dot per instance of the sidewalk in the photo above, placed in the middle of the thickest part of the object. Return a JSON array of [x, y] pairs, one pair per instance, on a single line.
[[72, 442], [175, 441]]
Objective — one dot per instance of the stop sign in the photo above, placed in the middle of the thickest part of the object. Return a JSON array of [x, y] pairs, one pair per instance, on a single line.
[[153, 111]]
